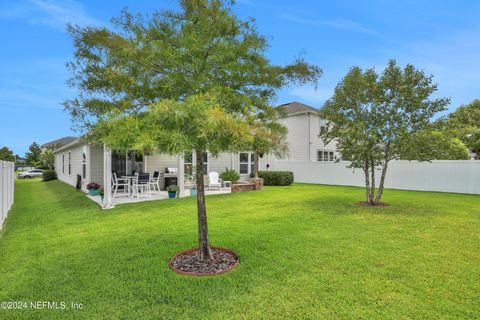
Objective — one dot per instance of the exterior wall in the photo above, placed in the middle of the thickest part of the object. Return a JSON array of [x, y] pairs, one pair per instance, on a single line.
[[76, 165], [303, 137], [158, 162], [317, 143], [298, 132], [95, 164]]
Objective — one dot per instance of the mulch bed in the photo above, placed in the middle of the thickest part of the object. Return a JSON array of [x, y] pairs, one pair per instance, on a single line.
[[187, 263], [366, 204]]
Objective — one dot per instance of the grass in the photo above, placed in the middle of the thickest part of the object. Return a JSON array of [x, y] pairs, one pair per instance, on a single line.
[[306, 253]]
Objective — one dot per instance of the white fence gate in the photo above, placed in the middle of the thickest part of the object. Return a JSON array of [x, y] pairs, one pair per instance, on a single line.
[[7, 171], [456, 176]]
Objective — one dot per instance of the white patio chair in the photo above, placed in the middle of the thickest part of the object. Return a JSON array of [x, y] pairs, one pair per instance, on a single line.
[[142, 184], [119, 182], [214, 182], [155, 181]]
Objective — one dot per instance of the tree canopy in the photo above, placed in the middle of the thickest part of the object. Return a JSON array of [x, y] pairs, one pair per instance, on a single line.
[[32, 156], [464, 124], [373, 117], [6, 154], [175, 81]]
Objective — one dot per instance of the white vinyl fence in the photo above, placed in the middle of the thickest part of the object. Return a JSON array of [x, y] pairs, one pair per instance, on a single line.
[[7, 171], [457, 176]]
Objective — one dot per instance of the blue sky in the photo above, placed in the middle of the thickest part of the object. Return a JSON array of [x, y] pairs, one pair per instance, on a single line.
[[441, 37]]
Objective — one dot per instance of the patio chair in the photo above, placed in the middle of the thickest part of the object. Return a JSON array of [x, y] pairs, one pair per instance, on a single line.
[[214, 182], [155, 181], [142, 184], [119, 182]]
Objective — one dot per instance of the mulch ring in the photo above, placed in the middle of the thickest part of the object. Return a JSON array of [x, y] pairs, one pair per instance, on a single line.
[[366, 204], [187, 263]]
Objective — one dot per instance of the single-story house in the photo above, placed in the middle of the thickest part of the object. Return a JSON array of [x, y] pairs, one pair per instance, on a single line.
[[94, 163]]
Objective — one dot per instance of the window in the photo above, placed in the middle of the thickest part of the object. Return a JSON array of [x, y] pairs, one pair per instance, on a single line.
[[188, 163], [324, 155], [323, 126], [69, 162], [63, 162], [246, 162], [205, 163], [84, 165]]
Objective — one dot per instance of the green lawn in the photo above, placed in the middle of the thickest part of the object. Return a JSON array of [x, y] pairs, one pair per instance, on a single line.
[[306, 253]]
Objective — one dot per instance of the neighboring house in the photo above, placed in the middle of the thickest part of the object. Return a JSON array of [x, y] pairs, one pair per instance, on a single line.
[[304, 126], [78, 157]]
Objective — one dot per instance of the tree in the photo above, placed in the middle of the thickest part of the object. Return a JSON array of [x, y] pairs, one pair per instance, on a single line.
[[167, 62], [32, 156], [47, 158], [431, 144], [373, 117], [6, 154], [464, 123]]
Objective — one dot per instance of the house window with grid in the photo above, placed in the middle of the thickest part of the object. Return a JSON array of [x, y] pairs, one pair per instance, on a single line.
[[246, 162], [188, 163], [325, 155]]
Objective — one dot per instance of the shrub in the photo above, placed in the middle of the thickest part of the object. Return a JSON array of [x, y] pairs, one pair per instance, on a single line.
[[276, 178], [48, 175], [230, 175]]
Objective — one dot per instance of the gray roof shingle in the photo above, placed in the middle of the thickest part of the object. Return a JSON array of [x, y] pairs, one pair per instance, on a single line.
[[296, 107]]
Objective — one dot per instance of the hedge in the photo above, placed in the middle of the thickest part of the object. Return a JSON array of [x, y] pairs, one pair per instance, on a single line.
[[48, 175], [276, 178]]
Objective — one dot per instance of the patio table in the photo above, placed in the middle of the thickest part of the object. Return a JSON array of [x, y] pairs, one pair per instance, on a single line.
[[129, 178]]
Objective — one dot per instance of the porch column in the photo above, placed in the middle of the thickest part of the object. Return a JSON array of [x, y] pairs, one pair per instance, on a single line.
[[181, 175], [107, 178]]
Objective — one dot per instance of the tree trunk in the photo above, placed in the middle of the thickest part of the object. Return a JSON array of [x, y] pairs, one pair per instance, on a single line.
[[367, 182], [382, 183], [372, 183], [203, 244], [255, 164]]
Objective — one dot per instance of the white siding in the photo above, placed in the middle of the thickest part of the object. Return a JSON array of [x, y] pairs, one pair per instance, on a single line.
[[303, 137], [95, 164], [76, 165]]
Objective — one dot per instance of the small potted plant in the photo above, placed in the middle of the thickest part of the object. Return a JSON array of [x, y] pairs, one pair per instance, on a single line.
[[93, 188], [172, 191], [190, 179]]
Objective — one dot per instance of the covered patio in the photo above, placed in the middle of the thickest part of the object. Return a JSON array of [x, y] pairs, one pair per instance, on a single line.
[[109, 200]]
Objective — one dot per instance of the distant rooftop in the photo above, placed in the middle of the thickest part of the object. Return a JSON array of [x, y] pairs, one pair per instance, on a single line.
[[59, 142], [296, 107]]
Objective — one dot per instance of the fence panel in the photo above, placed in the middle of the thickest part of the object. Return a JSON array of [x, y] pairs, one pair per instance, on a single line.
[[7, 171], [456, 176]]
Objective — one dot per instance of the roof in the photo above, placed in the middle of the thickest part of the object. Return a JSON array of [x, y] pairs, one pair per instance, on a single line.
[[72, 143], [295, 107], [59, 142]]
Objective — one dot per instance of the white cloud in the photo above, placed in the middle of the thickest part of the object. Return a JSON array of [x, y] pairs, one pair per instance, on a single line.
[[341, 24], [52, 13]]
